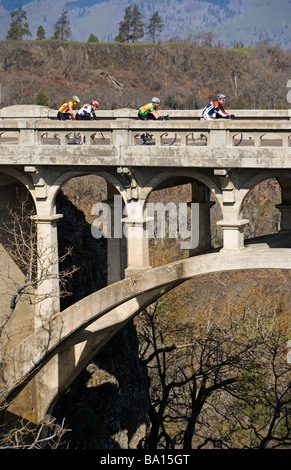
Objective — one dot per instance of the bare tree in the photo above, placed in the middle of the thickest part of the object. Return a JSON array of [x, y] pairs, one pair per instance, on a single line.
[[18, 236], [19, 239], [228, 368], [48, 434]]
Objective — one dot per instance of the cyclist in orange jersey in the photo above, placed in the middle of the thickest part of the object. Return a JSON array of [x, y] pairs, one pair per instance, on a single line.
[[68, 110]]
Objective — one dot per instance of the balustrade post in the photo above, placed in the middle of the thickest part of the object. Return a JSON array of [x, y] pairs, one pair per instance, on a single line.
[[120, 136], [218, 138], [27, 134]]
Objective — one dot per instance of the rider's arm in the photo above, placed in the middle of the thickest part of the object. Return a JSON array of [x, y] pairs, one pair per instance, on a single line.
[[221, 111], [156, 113], [72, 111]]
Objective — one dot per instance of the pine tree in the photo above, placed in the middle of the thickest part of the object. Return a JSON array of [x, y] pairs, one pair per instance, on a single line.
[[131, 28], [42, 99], [93, 38], [62, 27], [40, 34], [18, 28], [155, 26], [240, 103], [137, 24]]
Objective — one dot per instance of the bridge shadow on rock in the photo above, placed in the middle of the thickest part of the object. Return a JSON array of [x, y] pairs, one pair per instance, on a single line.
[[89, 254], [106, 406]]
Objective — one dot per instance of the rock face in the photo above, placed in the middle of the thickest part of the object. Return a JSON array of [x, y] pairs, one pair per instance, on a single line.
[[88, 255], [106, 406]]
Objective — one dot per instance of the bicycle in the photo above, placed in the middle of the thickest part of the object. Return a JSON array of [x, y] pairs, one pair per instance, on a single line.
[[51, 140], [200, 140], [145, 137]]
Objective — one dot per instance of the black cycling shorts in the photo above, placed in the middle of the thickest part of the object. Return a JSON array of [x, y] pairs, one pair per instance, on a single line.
[[63, 116]]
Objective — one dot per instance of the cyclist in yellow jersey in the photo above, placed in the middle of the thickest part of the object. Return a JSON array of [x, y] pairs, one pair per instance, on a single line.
[[68, 110], [150, 111]]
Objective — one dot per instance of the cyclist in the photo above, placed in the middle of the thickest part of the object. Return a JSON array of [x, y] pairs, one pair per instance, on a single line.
[[150, 111], [68, 110], [87, 112], [215, 110]]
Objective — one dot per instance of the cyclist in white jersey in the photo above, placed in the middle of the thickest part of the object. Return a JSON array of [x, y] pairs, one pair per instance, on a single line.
[[87, 112], [215, 109]]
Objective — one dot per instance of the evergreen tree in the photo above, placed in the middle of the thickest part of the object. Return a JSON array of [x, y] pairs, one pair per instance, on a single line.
[[137, 24], [62, 27], [18, 28], [155, 26], [93, 38], [240, 103], [42, 99], [40, 34], [131, 28], [279, 104]]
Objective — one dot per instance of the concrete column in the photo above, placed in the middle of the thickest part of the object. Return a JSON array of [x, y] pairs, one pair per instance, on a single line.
[[137, 246], [233, 237], [232, 225], [204, 228], [201, 194], [285, 210], [135, 229], [116, 246], [48, 301]]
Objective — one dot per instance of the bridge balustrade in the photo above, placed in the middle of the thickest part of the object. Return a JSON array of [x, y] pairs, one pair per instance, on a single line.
[[129, 132]]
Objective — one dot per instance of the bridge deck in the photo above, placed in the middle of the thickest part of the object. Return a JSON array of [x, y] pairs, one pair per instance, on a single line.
[[261, 143]]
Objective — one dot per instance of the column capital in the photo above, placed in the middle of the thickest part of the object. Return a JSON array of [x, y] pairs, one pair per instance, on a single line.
[[232, 225], [46, 219]]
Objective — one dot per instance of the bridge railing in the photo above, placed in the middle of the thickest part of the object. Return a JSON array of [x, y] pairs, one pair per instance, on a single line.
[[133, 132]]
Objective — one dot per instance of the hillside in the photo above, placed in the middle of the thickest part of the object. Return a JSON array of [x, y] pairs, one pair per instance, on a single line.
[[184, 76], [230, 21]]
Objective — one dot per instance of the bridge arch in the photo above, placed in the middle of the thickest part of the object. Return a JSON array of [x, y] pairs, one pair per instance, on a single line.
[[20, 177], [189, 173], [68, 175], [204, 190], [105, 311]]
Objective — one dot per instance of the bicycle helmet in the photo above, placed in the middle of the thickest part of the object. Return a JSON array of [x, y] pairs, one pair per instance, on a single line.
[[95, 103], [76, 99], [155, 100], [220, 96]]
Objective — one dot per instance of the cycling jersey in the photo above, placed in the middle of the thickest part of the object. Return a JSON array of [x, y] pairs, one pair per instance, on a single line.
[[65, 107], [86, 113], [146, 109], [212, 109]]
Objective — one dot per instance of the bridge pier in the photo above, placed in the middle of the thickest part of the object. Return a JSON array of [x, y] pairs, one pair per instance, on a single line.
[[285, 210], [233, 236], [48, 294], [201, 194], [137, 242], [116, 243]]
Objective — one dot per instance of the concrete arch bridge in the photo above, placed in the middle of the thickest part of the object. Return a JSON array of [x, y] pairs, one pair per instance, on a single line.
[[224, 160]]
